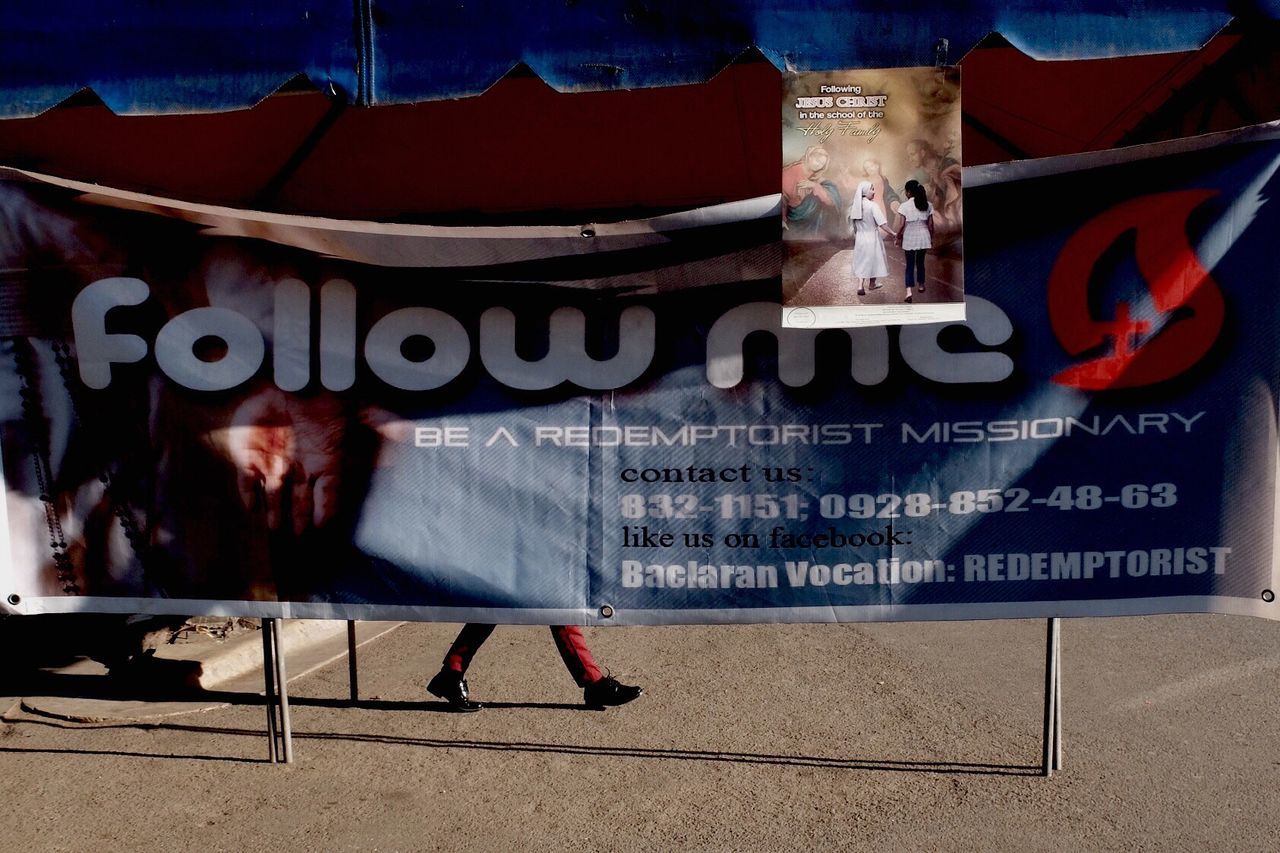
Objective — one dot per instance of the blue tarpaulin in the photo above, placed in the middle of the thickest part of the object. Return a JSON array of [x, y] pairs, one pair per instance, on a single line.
[[155, 56]]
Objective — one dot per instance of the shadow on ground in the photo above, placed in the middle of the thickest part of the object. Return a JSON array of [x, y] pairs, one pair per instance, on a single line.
[[644, 753]]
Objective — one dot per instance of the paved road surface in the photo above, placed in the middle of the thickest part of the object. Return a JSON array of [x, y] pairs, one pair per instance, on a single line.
[[871, 737]]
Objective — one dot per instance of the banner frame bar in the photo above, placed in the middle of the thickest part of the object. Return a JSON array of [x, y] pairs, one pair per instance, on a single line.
[[1052, 740], [353, 667], [269, 693], [282, 693]]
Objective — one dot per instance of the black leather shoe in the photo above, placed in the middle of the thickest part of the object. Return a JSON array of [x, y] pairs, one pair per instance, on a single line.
[[608, 692], [452, 688]]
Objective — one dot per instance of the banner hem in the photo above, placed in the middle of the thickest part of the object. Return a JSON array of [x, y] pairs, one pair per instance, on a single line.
[[1235, 606]]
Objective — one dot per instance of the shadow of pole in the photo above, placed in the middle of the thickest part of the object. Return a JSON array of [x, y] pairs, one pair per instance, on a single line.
[[642, 753]]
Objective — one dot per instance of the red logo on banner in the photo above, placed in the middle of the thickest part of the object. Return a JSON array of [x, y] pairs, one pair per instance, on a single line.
[[1174, 277]]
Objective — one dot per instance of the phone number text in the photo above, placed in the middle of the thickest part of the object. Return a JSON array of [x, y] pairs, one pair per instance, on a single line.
[[914, 505]]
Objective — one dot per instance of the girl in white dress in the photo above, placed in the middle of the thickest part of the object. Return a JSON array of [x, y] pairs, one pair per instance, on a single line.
[[866, 221], [917, 233]]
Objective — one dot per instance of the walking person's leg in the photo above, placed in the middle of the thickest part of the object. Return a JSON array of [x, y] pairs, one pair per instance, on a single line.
[[575, 654], [598, 690], [450, 682]]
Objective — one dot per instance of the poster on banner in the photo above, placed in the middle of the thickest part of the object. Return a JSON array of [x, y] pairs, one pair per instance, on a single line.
[[873, 215], [214, 411]]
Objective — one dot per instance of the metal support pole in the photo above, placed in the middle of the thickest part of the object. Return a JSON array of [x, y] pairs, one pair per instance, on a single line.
[[269, 676], [1057, 700], [282, 690], [1052, 758], [353, 672]]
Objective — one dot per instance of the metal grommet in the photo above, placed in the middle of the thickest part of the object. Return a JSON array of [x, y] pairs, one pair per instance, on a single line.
[[588, 231], [1268, 596], [606, 611], [14, 599]]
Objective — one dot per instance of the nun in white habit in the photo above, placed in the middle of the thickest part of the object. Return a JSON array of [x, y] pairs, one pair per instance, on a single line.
[[867, 221]]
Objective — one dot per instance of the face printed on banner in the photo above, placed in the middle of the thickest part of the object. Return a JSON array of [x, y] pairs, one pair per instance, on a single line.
[[815, 160]]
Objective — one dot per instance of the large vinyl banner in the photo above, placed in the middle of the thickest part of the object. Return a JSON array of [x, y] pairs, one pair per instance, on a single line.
[[211, 411]]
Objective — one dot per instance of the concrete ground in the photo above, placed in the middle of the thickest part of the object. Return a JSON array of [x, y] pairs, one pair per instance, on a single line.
[[868, 737]]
